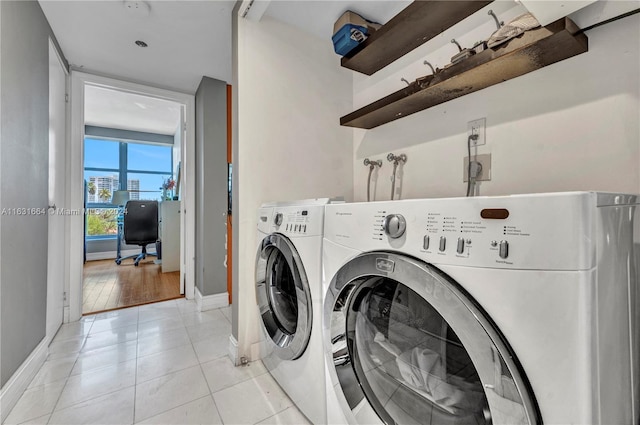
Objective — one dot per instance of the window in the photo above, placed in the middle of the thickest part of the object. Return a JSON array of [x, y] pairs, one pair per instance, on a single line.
[[112, 164]]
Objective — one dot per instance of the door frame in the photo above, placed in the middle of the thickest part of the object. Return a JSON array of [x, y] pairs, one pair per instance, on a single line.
[[75, 158], [57, 256]]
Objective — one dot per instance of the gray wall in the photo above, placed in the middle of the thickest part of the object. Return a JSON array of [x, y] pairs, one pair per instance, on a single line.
[[211, 186], [24, 146]]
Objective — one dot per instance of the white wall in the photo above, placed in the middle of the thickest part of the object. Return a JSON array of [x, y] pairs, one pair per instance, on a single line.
[[573, 125], [291, 94]]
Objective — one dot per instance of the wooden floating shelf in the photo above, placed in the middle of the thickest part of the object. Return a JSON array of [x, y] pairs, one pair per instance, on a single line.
[[412, 27], [531, 50]]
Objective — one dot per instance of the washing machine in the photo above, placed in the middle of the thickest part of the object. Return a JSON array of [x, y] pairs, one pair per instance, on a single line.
[[289, 297], [488, 310]]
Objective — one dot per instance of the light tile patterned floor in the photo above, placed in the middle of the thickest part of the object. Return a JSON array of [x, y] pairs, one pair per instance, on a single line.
[[163, 363]]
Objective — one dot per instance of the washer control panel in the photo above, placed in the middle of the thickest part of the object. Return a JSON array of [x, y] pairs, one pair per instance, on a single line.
[[545, 231], [467, 232], [298, 220]]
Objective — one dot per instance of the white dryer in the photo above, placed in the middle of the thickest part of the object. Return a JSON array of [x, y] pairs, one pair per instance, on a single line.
[[289, 297], [490, 310]]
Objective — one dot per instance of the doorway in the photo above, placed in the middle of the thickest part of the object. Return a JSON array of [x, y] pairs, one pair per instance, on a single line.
[[133, 141], [57, 196]]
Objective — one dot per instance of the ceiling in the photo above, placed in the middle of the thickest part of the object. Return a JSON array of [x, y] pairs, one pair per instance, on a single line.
[[186, 39]]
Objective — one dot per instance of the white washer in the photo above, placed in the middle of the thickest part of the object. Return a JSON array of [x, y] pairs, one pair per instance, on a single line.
[[504, 310], [289, 297]]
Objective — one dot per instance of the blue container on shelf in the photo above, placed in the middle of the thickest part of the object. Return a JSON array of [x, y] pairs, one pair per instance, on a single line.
[[348, 37]]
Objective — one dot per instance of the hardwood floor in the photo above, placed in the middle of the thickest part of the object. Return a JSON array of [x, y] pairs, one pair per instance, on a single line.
[[107, 286]]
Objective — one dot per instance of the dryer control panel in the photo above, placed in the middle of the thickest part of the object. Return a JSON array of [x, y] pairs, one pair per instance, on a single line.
[[545, 231]]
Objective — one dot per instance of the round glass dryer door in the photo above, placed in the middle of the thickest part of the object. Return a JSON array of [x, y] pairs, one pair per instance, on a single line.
[[283, 295], [409, 346]]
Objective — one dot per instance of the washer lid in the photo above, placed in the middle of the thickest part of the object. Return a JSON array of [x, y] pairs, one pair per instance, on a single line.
[[283, 296], [408, 343]]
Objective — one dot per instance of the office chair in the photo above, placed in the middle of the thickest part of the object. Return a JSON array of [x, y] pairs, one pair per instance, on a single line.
[[140, 228]]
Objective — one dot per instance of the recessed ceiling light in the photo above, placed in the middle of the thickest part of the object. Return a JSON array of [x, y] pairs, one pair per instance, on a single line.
[[137, 8], [141, 43]]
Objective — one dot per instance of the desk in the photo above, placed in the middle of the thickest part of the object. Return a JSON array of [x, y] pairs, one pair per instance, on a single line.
[[170, 235]]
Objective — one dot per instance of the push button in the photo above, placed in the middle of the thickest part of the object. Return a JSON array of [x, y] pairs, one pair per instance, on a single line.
[[503, 249], [425, 242], [460, 247], [443, 243]]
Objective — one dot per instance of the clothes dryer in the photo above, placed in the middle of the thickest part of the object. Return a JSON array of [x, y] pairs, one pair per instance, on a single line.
[[289, 297], [489, 310]]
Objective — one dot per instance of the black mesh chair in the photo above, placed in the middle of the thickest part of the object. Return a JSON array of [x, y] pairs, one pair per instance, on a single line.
[[140, 228]]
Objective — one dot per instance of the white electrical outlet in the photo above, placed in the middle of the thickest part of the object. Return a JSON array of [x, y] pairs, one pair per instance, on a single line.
[[477, 127]]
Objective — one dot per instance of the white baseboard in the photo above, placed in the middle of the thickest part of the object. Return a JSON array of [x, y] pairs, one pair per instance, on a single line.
[[211, 302], [13, 389], [66, 314], [110, 255], [233, 351], [255, 351]]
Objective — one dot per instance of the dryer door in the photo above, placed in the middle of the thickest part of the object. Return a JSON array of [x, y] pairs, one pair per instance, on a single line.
[[283, 296], [408, 345]]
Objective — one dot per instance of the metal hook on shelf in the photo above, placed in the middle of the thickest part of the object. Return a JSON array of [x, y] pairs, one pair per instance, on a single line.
[[499, 23], [453, 40], [433, 71], [402, 79]]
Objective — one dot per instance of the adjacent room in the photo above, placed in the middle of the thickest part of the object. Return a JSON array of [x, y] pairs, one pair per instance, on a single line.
[[132, 151]]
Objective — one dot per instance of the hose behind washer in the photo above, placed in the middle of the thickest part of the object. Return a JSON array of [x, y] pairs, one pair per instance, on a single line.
[[393, 179], [371, 167]]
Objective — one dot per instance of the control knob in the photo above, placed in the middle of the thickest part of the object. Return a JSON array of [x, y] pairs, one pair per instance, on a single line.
[[277, 220], [394, 225]]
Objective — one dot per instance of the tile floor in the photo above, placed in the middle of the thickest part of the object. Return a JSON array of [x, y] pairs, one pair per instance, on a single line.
[[163, 363]]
